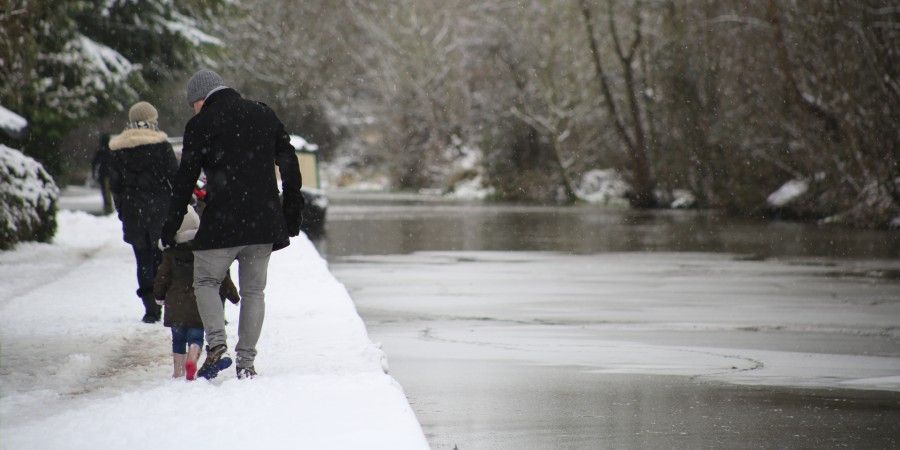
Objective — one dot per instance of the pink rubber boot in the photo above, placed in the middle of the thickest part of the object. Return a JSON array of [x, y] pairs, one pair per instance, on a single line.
[[190, 363]]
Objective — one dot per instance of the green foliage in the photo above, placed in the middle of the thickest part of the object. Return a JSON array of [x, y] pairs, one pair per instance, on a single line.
[[63, 63]]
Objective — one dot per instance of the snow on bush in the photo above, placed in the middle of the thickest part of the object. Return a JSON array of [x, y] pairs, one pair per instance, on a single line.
[[189, 29], [471, 189], [465, 178], [875, 206], [787, 193], [463, 174], [683, 199], [11, 122], [604, 186], [28, 198], [347, 172], [104, 75]]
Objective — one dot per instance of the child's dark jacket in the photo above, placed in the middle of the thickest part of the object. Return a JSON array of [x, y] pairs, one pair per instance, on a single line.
[[175, 283]]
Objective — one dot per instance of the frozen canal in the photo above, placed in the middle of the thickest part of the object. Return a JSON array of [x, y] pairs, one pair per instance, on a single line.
[[532, 327]]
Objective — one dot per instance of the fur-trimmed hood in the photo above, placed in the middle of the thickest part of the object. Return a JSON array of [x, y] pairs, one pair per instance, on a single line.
[[134, 137]]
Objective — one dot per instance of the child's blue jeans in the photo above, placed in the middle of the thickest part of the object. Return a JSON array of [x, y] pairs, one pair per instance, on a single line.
[[184, 336]]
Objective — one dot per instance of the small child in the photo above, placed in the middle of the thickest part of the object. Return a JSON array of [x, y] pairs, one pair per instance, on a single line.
[[173, 288]]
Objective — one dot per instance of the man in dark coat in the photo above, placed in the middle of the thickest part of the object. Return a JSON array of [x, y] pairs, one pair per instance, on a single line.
[[142, 166], [237, 143]]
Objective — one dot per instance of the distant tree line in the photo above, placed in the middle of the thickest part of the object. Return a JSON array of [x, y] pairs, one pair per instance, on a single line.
[[727, 99]]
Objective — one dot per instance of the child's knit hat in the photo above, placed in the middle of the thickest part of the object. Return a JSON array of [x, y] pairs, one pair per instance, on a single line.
[[188, 226]]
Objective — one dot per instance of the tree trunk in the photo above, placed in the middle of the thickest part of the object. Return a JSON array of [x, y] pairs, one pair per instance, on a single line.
[[571, 196], [642, 180]]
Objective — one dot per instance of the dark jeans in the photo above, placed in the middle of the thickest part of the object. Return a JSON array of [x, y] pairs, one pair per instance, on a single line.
[[184, 336], [148, 257]]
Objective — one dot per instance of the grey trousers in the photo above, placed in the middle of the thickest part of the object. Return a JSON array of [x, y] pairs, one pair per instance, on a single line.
[[210, 267]]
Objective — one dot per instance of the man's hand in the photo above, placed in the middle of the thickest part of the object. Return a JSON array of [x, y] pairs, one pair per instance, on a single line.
[[293, 216], [293, 220], [161, 301], [168, 235]]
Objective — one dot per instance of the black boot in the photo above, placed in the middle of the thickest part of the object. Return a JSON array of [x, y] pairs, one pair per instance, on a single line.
[[152, 311]]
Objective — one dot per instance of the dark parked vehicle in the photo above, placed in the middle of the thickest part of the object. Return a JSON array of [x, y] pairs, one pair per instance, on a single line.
[[316, 202]]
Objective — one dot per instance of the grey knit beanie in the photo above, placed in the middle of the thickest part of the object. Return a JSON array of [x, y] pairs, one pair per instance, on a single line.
[[201, 84]]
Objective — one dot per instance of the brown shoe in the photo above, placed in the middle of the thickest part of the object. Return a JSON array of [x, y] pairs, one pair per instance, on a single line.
[[215, 361]]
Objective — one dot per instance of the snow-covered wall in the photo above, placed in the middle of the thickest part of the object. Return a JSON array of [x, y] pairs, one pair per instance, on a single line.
[[28, 198]]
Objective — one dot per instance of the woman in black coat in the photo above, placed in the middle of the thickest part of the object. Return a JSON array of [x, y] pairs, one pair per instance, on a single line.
[[142, 168]]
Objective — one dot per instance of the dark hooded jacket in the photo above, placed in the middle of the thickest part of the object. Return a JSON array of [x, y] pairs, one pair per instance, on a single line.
[[237, 143], [175, 283], [141, 170]]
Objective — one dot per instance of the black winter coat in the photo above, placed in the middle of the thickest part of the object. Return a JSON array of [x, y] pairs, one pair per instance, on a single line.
[[237, 143], [141, 170]]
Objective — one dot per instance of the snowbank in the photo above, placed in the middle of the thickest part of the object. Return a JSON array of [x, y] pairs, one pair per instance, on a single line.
[[471, 189], [682, 199], [80, 371], [604, 186], [28, 198]]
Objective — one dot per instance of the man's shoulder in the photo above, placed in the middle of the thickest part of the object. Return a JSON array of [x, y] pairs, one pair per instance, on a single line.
[[258, 106], [207, 118], [194, 123]]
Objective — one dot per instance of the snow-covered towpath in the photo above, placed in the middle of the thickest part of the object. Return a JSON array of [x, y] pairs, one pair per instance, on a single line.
[[79, 370]]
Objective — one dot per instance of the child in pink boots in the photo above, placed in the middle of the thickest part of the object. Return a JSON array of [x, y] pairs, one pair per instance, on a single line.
[[173, 288]]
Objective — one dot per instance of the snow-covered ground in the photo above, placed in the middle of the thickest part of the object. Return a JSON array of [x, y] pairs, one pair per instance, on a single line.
[[81, 198], [79, 371]]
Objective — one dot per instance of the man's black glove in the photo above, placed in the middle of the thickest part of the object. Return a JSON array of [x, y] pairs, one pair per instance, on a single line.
[[168, 234], [293, 218]]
